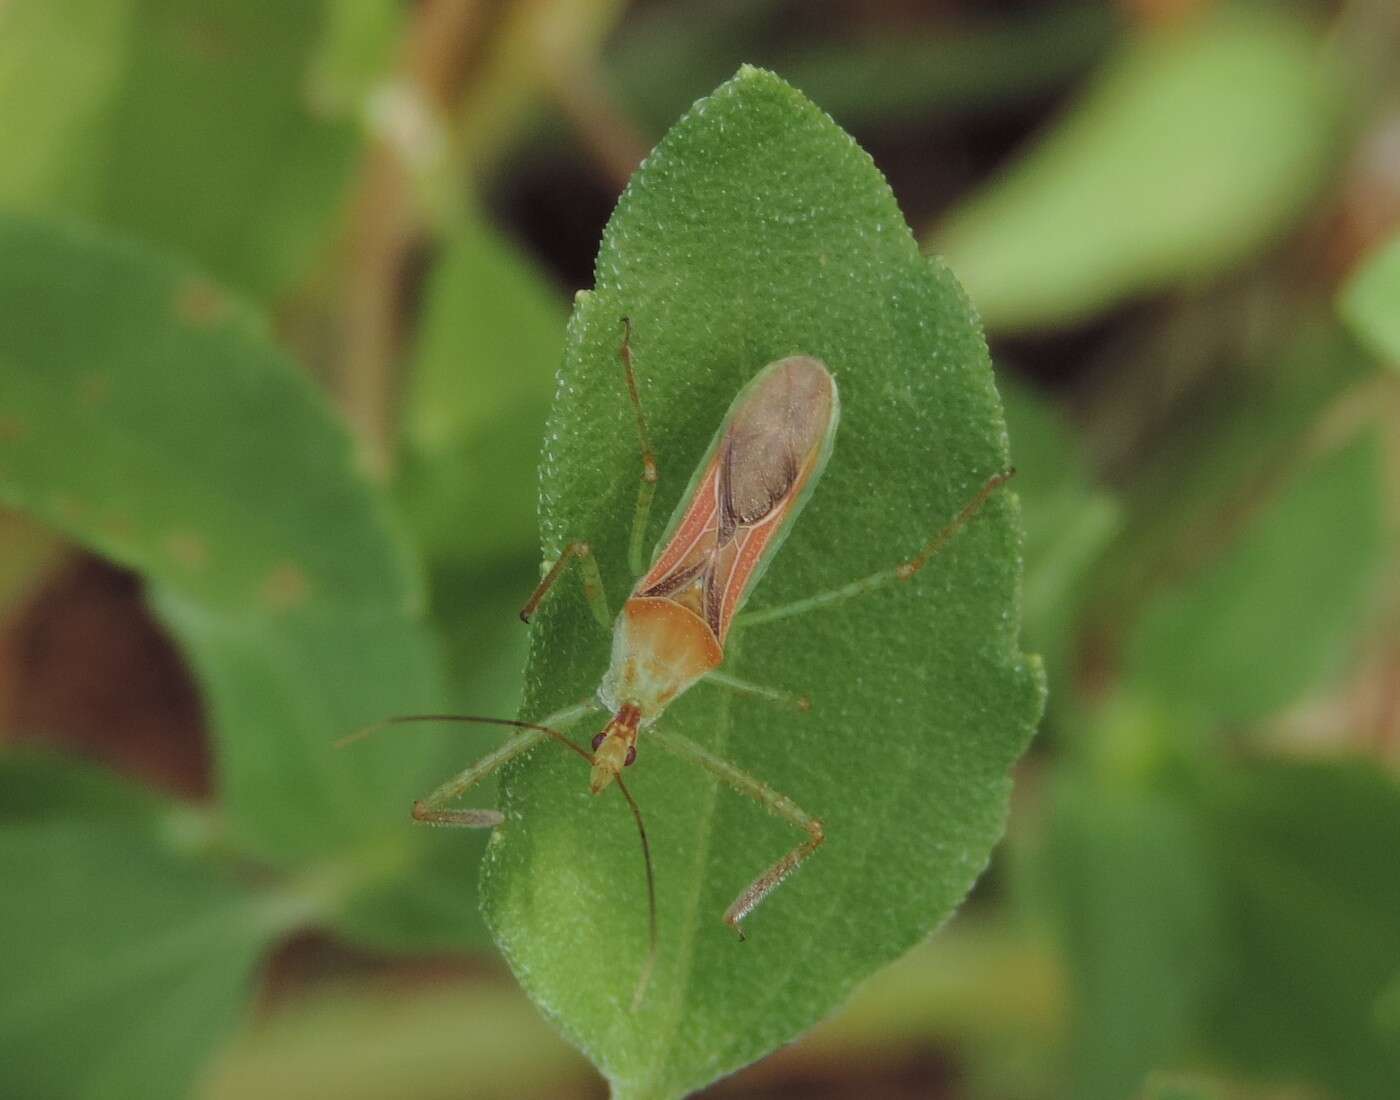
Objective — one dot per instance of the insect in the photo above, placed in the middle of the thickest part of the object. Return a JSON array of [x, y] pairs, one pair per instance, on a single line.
[[761, 468]]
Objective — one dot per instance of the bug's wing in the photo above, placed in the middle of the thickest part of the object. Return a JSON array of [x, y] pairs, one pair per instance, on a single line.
[[778, 439], [772, 445]]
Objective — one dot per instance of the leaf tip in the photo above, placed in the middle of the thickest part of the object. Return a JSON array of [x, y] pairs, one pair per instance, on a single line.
[[751, 79]]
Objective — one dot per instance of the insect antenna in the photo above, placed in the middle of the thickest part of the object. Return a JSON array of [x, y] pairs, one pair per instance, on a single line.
[[643, 979], [468, 719]]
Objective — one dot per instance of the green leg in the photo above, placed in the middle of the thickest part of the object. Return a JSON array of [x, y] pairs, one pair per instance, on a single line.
[[900, 572], [593, 590], [769, 799], [579, 550], [647, 490], [744, 687], [637, 544], [432, 810]]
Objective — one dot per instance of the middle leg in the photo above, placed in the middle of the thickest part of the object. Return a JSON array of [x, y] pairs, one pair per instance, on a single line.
[[745, 687], [901, 572]]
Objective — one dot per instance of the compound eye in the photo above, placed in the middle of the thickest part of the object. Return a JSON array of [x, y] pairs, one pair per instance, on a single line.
[[598, 739], [631, 755]]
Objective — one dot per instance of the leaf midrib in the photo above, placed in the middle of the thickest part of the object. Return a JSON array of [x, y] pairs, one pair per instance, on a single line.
[[724, 703]]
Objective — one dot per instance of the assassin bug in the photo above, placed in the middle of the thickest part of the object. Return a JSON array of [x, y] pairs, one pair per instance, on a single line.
[[761, 467]]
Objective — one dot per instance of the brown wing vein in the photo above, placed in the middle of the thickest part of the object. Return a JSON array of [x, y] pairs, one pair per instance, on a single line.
[[679, 578]]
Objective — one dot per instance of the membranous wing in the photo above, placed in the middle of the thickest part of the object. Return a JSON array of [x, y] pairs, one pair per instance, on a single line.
[[773, 442]]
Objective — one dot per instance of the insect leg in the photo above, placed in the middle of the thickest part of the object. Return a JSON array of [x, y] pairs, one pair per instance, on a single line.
[[432, 809], [901, 572], [765, 796], [647, 489], [593, 590], [744, 687]]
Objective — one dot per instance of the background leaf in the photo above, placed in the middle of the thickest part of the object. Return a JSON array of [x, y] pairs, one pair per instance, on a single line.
[[60, 64], [1274, 614], [1133, 894], [1370, 302], [166, 433], [1306, 852], [146, 992], [482, 371], [1068, 523], [188, 125], [481, 377], [1194, 147], [758, 229]]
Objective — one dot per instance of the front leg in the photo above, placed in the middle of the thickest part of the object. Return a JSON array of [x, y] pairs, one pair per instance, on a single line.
[[432, 809]]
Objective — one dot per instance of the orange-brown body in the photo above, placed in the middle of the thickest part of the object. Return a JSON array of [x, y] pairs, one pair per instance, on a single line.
[[759, 471]]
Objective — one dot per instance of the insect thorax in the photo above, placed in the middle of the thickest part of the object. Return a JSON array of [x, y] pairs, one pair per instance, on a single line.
[[659, 650]]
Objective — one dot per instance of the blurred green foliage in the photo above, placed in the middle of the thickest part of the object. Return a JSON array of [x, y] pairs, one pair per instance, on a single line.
[[1180, 212], [1275, 613], [1069, 523], [162, 974], [146, 432], [1190, 151], [184, 124], [482, 374], [1136, 912], [1370, 302]]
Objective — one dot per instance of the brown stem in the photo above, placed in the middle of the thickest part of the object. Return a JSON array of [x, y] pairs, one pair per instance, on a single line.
[[386, 220]]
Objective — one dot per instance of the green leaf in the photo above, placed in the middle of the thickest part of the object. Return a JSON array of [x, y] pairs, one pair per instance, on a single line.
[[1276, 614], [1370, 302], [212, 147], [164, 432], [188, 125], [1068, 522], [1388, 1008], [60, 65], [482, 374], [43, 786], [1306, 853], [757, 229], [1182, 1088], [488, 347], [1197, 146], [1229, 453], [127, 960], [1133, 894], [355, 53]]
